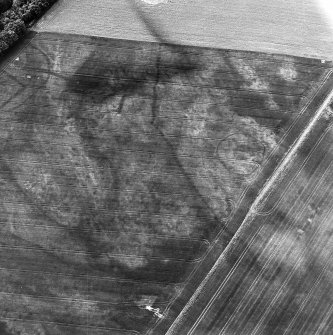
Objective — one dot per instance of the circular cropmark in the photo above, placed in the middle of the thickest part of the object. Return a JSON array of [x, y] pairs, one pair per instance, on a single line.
[[241, 153]]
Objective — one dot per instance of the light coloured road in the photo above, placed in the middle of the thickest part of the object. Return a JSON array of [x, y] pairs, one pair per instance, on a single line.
[[298, 27]]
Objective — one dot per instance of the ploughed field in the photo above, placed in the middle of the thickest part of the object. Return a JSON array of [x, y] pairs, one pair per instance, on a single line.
[[121, 163], [276, 276]]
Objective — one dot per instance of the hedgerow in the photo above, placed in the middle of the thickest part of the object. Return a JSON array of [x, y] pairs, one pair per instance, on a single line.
[[16, 16]]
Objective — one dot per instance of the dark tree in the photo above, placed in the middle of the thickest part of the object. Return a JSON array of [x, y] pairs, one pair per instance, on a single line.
[[5, 5]]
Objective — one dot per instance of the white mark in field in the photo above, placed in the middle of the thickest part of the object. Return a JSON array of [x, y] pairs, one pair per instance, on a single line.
[[156, 311], [154, 2]]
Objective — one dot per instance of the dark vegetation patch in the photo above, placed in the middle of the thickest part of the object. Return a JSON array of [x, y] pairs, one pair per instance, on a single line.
[[18, 15]]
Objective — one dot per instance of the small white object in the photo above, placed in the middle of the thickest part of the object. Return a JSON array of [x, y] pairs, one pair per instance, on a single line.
[[156, 311], [300, 231], [154, 2], [28, 76]]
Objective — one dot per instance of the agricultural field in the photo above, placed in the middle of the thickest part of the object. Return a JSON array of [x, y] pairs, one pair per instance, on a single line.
[[275, 277], [298, 27], [126, 168]]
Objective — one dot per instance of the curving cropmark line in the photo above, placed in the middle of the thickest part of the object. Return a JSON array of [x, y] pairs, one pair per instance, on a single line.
[[256, 165]]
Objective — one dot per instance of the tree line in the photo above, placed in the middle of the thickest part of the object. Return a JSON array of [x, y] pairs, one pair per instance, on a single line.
[[18, 15]]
